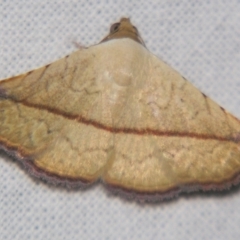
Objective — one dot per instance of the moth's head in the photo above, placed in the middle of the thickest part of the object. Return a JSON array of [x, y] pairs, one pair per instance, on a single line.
[[124, 29]]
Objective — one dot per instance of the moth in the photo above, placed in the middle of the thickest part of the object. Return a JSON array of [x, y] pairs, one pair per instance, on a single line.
[[116, 113]]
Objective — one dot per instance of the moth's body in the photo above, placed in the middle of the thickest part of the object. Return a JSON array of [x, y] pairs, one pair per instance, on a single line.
[[116, 112]]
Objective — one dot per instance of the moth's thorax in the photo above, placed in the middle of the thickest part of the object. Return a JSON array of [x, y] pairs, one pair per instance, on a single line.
[[120, 61]]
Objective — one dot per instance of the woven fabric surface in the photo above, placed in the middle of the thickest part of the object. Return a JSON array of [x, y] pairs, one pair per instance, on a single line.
[[200, 39]]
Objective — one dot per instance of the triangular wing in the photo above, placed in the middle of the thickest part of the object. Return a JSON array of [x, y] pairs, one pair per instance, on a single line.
[[116, 112]]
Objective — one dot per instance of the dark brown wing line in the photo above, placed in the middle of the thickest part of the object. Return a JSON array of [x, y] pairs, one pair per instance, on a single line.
[[146, 131]]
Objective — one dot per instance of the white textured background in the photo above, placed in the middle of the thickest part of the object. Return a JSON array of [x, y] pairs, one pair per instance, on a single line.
[[201, 39]]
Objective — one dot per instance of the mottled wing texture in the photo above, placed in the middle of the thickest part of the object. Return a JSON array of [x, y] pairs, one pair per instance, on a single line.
[[116, 112], [48, 116]]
